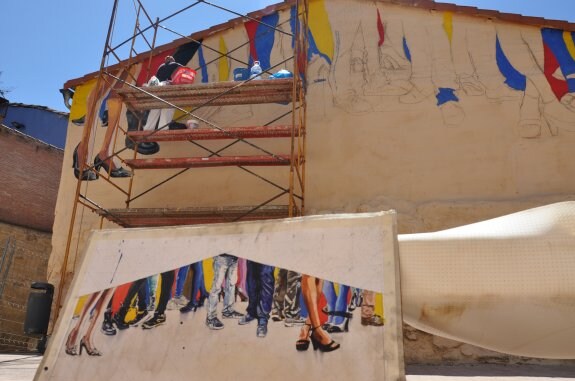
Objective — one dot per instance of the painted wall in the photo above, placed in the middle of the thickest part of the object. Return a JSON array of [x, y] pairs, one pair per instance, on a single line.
[[39, 122], [448, 119]]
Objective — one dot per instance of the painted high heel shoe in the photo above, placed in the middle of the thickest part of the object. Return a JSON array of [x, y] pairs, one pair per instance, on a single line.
[[303, 344], [190, 307], [72, 350], [202, 299], [316, 343], [89, 350], [87, 175], [117, 172]]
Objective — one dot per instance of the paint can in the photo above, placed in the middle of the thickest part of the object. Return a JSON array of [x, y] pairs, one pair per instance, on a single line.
[[241, 74]]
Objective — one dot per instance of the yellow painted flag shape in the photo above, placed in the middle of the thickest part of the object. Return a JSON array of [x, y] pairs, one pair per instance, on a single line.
[[320, 28]]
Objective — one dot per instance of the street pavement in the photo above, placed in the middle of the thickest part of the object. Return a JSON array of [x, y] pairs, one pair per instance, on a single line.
[[22, 367]]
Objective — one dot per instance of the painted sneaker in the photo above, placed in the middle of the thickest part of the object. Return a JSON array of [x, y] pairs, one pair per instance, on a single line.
[[262, 330], [290, 322], [246, 319], [232, 314], [107, 325], [118, 320], [181, 301], [214, 323], [375, 320], [140, 315], [276, 316], [156, 320], [172, 305]]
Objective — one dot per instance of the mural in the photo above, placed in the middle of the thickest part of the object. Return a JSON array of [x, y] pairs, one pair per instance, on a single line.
[[441, 65], [379, 63], [107, 112], [161, 299], [407, 61]]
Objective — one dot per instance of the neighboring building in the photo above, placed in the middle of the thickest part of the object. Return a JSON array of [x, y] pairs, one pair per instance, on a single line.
[[3, 108], [39, 122], [30, 170], [447, 114]]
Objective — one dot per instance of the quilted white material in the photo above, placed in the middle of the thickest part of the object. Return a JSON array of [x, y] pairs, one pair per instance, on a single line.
[[506, 284]]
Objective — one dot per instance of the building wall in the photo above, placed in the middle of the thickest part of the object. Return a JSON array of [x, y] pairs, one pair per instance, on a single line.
[[31, 171], [447, 118], [39, 122], [24, 257], [34, 169]]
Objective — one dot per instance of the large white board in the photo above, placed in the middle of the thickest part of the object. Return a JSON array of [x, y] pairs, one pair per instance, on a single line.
[[355, 250]]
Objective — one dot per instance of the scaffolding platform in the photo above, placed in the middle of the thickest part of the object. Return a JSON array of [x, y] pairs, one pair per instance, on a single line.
[[212, 94], [150, 217]]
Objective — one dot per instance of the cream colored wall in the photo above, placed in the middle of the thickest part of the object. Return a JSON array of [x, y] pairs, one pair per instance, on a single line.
[[394, 146], [376, 138]]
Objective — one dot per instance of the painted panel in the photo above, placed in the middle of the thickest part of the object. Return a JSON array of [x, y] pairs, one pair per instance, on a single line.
[[121, 320]]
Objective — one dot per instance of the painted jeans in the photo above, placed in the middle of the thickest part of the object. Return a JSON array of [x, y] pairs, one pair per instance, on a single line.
[[260, 291], [225, 267]]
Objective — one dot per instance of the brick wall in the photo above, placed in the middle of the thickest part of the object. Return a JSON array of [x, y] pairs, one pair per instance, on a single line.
[[24, 257], [30, 171]]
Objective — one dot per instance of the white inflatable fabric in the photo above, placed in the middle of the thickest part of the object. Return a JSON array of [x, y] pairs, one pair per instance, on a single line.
[[506, 284]]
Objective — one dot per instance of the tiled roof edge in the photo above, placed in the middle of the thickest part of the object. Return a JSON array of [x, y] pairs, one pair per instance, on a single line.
[[37, 107]]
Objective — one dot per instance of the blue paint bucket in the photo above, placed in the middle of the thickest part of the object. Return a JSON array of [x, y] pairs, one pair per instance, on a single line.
[[241, 74]]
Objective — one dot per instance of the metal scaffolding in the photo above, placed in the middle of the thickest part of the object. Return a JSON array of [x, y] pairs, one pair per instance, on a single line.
[[119, 81]]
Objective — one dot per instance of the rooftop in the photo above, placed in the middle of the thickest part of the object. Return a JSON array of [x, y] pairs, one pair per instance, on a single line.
[[36, 107]]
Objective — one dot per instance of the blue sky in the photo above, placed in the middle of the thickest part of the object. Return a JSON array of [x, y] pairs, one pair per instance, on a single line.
[[45, 43]]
